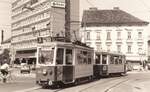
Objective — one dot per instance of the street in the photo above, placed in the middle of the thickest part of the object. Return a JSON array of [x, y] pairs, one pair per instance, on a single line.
[[132, 82]]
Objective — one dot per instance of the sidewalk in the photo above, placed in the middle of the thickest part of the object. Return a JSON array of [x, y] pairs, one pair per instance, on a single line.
[[16, 73], [138, 71]]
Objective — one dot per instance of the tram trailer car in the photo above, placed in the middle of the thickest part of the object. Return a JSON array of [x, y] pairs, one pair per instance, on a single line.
[[64, 63], [107, 63]]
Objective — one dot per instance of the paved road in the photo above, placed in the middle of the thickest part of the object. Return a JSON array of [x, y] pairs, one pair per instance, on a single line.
[[133, 82], [18, 82]]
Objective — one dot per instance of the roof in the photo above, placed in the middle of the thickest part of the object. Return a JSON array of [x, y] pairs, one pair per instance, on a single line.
[[114, 17]]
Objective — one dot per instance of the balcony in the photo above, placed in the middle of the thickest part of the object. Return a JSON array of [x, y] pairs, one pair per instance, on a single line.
[[108, 41], [119, 41], [129, 41]]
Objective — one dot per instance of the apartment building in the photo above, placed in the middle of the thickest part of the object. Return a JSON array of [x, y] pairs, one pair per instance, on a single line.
[[32, 19], [115, 30]]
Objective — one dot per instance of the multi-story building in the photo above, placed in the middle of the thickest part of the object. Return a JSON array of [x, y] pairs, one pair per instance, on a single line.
[[116, 31], [35, 18]]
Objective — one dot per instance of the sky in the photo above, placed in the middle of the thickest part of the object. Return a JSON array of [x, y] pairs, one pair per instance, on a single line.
[[138, 8]]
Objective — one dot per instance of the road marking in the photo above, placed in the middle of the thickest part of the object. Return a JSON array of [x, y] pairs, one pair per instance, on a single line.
[[29, 89]]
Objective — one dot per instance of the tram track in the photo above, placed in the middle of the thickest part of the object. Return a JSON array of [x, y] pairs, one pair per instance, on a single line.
[[95, 83], [90, 85], [114, 86], [104, 82]]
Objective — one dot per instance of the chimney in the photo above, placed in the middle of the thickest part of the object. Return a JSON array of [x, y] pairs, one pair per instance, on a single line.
[[2, 36], [93, 8], [116, 8]]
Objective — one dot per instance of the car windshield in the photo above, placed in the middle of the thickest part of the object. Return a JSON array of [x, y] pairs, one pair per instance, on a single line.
[[46, 56]]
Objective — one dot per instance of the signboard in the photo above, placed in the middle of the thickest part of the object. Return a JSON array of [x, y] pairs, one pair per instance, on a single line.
[[40, 39], [58, 4]]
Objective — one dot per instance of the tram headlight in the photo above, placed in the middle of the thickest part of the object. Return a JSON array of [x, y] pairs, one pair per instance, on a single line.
[[44, 72]]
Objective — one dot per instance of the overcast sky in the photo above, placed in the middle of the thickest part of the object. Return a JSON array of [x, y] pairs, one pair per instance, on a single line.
[[138, 8]]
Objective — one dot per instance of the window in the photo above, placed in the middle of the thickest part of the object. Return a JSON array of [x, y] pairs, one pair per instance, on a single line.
[[118, 35], [69, 56], [46, 56], [98, 59], [139, 35], [129, 49], [88, 36], [129, 35], [139, 50], [120, 59], [119, 48], [108, 36], [98, 36], [116, 60], [104, 59], [111, 59], [33, 2], [60, 56], [98, 47], [108, 47]]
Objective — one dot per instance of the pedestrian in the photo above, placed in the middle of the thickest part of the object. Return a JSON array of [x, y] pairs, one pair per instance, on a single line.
[[4, 69]]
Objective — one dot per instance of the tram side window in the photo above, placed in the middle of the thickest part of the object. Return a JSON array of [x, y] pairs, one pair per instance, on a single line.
[[111, 59], [104, 59], [69, 56], [97, 59], [85, 57], [89, 58], [116, 59], [120, 60], [60, 56]]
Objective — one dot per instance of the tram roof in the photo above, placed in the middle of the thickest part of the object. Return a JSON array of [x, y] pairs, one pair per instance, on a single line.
[[110, 53], [69, 44]]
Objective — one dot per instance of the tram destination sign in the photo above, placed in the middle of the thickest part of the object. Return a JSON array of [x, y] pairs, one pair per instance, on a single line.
[[58, 4]]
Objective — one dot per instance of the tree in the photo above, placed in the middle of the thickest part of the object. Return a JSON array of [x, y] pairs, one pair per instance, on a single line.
[[5, 55]]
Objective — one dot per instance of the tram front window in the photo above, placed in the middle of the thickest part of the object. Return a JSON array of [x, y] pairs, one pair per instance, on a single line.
[[46, 57], [60, 56]]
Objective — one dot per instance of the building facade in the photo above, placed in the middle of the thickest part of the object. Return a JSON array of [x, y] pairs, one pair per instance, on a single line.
[[116, 31], [32, 19]]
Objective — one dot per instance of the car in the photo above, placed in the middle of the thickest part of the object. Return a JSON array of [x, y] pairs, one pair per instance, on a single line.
[[25, 68]]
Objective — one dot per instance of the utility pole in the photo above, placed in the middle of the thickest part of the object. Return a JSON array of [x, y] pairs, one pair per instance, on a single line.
[[67, 20], [2, 36]]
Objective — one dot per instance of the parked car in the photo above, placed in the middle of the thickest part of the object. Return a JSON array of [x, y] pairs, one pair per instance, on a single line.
[[148, 66], [25, 68]]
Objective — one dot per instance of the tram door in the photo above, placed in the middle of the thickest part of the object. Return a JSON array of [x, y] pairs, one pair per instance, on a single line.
[[68, 69]]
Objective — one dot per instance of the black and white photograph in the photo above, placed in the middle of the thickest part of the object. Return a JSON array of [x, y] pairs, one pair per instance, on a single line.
[[74, 46]]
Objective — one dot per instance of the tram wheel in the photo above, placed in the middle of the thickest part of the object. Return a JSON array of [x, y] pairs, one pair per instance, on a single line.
[[76, 82], [91, 78]]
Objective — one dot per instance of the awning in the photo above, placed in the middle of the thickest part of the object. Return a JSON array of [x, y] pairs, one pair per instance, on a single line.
[[26, 53]]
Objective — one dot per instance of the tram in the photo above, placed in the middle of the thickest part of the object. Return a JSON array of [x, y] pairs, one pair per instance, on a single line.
[[64, 63], [108, 63]]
